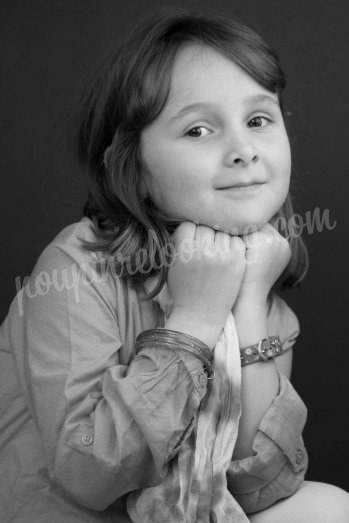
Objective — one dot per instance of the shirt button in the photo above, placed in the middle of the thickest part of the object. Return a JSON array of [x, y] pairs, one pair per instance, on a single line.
[[87, 439], [203, 380], [299, 456], [95, 395]]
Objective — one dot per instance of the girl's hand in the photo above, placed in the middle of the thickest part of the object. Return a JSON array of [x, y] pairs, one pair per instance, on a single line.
[[204, 280], [267, 256]]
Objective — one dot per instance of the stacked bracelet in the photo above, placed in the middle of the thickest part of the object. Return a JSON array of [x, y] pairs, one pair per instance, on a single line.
[[177, 341]]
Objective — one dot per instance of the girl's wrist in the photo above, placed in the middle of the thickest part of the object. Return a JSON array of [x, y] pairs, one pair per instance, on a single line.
[[251, 321], [207, 332], [253, 303]]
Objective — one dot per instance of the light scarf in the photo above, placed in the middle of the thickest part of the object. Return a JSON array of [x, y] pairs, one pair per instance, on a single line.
[[195, 487]]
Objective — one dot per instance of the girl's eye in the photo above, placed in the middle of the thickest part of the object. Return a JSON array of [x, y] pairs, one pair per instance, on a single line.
[[258, 121], [197, 132]]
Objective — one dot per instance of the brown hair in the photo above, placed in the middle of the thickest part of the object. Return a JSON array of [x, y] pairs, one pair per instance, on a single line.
[[128, 93]]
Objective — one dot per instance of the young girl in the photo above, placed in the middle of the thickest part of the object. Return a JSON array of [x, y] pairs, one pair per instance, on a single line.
[[145, 364]]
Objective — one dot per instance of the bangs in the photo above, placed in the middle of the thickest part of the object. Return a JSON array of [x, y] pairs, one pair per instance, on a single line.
[[153, 70]]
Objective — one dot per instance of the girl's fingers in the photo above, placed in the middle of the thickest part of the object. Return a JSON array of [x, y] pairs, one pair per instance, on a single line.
[[184, 231], [236, 243], [204, 233], [222, 241], [209, 240], [251, 240]]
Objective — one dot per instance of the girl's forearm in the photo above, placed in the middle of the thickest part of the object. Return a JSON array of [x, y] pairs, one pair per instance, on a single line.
[[260, 381]]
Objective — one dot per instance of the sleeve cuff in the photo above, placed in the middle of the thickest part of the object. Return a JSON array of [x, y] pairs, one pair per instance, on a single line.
[[280, 459]]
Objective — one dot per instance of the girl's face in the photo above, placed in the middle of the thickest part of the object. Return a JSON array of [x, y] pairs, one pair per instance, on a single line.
[[218, 154]]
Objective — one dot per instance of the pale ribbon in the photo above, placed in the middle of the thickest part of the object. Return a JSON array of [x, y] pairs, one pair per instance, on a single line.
[[194, 489]]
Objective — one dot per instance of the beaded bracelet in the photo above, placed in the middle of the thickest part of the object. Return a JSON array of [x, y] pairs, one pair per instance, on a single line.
[[178, 341]]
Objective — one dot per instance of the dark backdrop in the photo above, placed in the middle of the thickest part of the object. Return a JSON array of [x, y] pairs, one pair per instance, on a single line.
[[47, 50]]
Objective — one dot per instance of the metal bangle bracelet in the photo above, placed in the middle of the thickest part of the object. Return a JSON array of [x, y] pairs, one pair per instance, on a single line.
[[176, 340]]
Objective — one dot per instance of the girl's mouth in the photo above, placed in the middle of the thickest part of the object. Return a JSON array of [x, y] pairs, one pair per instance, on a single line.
[[243, 188]]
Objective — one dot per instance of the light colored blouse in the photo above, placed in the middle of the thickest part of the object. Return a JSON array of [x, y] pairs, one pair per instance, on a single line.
[[84, 421]]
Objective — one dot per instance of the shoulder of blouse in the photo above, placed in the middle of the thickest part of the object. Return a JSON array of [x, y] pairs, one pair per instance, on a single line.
[[68, 273]]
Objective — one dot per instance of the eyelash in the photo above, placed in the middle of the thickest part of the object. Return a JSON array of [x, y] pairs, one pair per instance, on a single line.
[[258, 117]]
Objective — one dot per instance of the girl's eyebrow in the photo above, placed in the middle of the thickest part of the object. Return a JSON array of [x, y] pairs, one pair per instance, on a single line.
[[262, 98], [191, 109], [210, 106]]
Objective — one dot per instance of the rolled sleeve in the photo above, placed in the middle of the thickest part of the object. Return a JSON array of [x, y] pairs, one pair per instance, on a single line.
[[280, 460], [123, 438]]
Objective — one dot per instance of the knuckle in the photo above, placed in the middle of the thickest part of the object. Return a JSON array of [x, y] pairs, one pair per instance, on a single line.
[[238, 244], [179, 231], [189, 227]]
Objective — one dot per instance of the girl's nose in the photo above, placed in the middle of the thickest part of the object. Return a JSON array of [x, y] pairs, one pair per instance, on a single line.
[[241, 153]]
